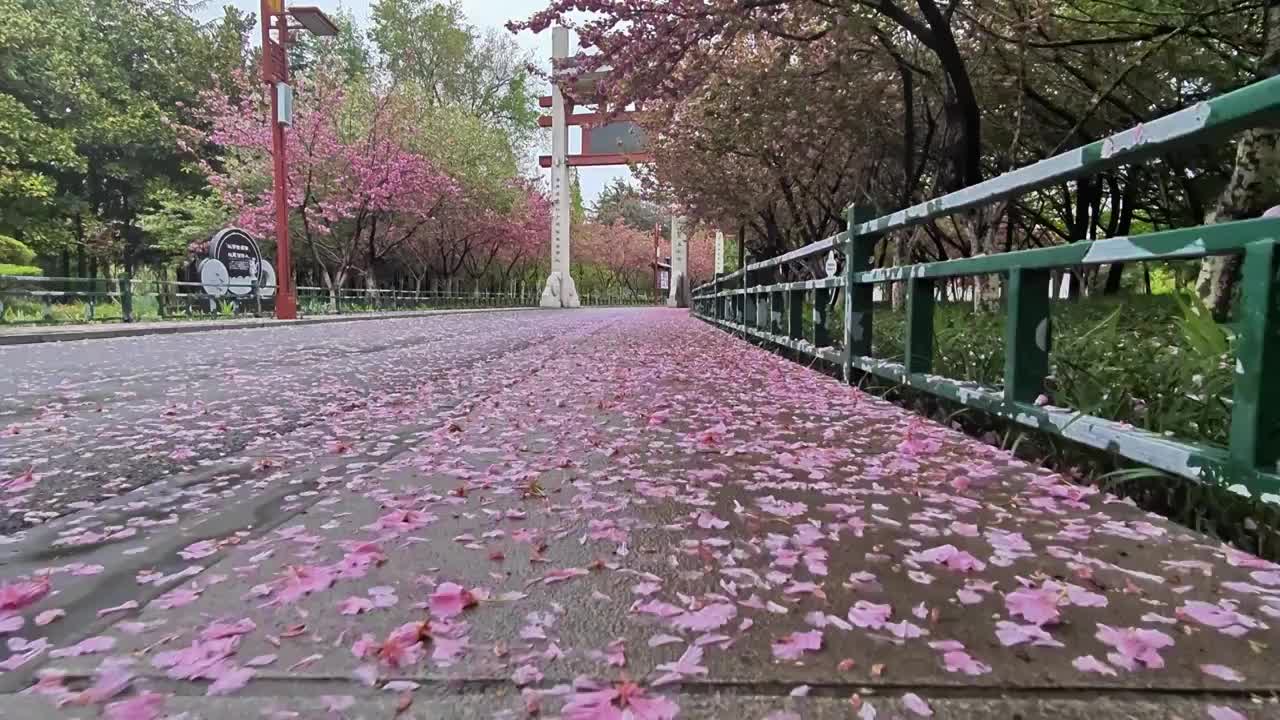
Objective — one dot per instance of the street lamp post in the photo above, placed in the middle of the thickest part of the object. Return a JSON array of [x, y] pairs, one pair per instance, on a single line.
[[275, 72]]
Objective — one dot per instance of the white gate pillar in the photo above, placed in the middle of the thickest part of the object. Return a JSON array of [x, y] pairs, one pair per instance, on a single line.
[[679, 296], [560, 290]]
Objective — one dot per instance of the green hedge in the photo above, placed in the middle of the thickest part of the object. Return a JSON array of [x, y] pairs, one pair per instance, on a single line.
[[8, 269], [14, 252]]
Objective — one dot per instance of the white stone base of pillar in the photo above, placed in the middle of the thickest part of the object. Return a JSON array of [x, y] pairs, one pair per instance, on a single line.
[[560, 292]]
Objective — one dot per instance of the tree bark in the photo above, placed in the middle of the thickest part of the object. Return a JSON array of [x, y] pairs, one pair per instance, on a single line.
[[1254, 185], [1123, 225]]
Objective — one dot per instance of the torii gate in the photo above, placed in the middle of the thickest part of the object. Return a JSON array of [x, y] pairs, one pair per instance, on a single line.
[[618, 142]]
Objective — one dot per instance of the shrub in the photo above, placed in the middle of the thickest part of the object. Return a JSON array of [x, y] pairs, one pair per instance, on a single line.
[[13, 252], [1154, 362], [10, 269]]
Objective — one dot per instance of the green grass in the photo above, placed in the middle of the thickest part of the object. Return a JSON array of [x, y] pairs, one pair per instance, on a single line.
[[25, 311], [1145, 360]]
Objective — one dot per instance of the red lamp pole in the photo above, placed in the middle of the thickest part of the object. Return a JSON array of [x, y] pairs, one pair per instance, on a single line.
[[286, 300], [275, 70]]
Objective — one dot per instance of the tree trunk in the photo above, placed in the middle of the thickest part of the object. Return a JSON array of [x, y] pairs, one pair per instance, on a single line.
[[1123, 225], [901, 256], [1251, 190], [1254, 185], [332, 283], [1114, 275], [979, 230]]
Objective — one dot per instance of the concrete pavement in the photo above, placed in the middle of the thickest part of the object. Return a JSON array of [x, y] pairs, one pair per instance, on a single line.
[[32, 334], [582, 514]]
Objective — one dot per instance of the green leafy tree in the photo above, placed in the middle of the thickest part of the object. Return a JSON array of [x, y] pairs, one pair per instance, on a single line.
[[90, 94], [429, 43], [622, 202], [577, 208]]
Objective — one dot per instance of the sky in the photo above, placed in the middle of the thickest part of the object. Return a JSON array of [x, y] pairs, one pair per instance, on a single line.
[[482, 14]]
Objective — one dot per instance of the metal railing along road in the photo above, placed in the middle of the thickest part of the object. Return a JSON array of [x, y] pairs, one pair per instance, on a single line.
[[751, 303], [43, 300]]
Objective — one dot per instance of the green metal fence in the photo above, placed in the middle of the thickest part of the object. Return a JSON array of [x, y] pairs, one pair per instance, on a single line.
[[33, 300], [751, 303]]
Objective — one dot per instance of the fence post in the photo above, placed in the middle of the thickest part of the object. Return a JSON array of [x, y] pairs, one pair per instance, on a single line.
[[126, 297], [795, 314], [748, 301], [1255, 412], [719, 301], [777, 311], [1028, 335], [821, 311], [918, 348], [858, 297]]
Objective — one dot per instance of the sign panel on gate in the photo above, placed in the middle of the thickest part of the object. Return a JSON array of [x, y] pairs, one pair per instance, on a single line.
[[616, 137]]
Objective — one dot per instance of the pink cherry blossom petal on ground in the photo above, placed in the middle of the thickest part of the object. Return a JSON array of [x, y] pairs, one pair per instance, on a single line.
[[196, 551], [123, 607], [337, 703], [218, 630], [1222, 672], [17, 595], [1089, 663], [608, 703], [88, 646], [961, 661], [1011, 633], [11, 624], [1036, 606], [49, 616], [710, 617], [795, 645], [231, 680], [1134, 646], [707, 521], [526, 675], [917, 705], [557, 576], [688, 664], [146, 706], [111, 679], [450, 599], [355, 606], [660, 640], [869, 615], [1221, 712], [175, 599]]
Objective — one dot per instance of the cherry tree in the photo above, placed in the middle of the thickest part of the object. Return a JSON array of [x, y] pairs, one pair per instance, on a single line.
[[620, 255], [354, 193]]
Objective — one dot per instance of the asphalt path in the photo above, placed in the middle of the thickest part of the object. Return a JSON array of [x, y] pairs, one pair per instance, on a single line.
[[600, 514]]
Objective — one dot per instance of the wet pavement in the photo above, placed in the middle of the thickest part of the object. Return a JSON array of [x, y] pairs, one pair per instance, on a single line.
[[596, 514]]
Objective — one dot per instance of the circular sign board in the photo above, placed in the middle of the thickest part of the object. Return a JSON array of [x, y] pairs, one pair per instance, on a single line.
[[267, 281], [238, 252], [831, 263], [213, 277]]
